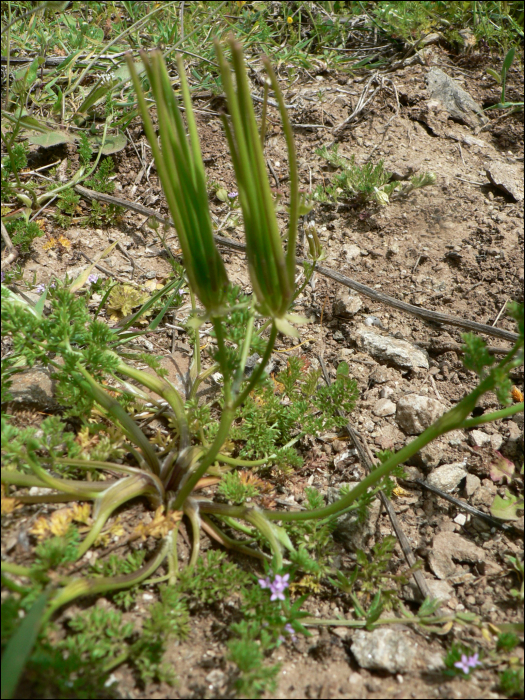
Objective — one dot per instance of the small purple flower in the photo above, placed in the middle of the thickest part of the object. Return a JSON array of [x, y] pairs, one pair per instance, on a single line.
[[41, 288], [467, 662], [233, 195], [288, 628], [279, 585], [93, 277], [3, 276], [473, 661]]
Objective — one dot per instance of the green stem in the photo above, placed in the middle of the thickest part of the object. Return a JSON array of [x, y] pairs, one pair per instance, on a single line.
[[190, 480], [490, 417], [64, 485], [235, 462], [223, 359], [449, 421], [81, 587], [231, 543], [168, 392], [196, 336], [244, 355], [16, 569], [191, 509], [257, 372], [201, 377]]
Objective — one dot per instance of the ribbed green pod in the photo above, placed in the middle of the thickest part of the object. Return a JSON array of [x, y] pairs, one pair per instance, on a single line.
[[181, 171]]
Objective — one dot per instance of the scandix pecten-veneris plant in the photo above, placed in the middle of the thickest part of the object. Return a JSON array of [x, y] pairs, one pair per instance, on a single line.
[[84, 353]]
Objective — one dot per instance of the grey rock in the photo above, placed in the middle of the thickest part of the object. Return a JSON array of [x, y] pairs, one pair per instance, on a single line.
[[338, 336], [351, 251], [416, 413], [472, 484], [382, 374], [442, 590], [354, 533], [514, 443], [477, 438], [386, 392], [434, 662], [383, 649], [484, 494], [448, 476], [455, 438], [384, 407], [431, 455], [346, 304], [496, 441], [458, 103], [507, 177], [398, 352], [448, 547], [35, 388], [374, 321]]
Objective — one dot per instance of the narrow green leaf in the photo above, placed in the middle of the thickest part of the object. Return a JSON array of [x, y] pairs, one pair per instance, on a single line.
[[21, 645]]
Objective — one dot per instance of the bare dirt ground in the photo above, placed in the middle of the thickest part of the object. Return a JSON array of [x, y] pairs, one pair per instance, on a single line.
[[455, 247]]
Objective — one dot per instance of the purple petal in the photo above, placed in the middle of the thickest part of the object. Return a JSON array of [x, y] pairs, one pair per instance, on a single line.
[[473, 661], [463, 664]]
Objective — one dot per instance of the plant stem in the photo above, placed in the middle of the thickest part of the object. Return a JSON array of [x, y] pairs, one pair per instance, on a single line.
[[190, 480], [490, 417], [449, 421], [257, 372]]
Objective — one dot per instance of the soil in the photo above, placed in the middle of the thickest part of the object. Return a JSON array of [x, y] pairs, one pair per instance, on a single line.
[[456, 247]]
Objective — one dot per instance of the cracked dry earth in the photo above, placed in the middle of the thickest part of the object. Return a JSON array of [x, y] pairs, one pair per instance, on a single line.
[[456, 247]]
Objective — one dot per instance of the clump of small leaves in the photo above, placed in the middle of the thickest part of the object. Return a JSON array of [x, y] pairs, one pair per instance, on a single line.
[[122, 299], [23, 232], [268, 620], [238, 488], [214, 579], [100, 181], [13, 164], [368, 182], [290, 406], [314, 542], [511, 682], [67, 205], [84, 149], [507, 641], [371, 575]]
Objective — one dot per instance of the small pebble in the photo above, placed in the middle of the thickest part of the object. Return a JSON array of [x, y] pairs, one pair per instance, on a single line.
[[373, 321]]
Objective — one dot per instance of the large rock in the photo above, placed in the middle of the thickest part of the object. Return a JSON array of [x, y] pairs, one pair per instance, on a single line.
[[416, 413], [34, 388], [397, 352], [448, 547], [384, 407], [448, 476], [383, 649], [507, 177], [346, 303], [352, 252], [457, 102]]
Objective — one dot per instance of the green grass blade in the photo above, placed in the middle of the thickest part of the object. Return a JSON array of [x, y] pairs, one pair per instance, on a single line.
[[21, 645]]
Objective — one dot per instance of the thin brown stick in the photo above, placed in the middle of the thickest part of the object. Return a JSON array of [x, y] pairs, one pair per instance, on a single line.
[[368, 462], [425, 314]]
